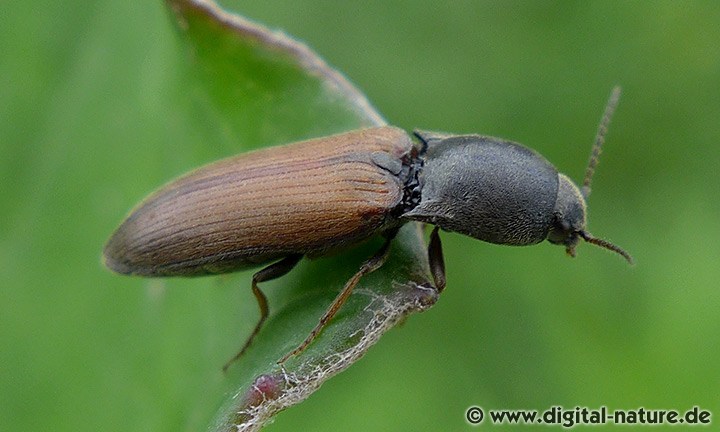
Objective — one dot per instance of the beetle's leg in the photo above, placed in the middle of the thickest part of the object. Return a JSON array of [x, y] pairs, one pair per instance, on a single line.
[[273, 271], [437, 262], [369, 266]]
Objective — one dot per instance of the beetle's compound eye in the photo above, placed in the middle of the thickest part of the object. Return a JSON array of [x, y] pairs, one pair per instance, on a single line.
[[562, 232]]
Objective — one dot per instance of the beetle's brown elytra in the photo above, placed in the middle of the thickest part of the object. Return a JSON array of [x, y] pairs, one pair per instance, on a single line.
[[273, 206], [305, 198]]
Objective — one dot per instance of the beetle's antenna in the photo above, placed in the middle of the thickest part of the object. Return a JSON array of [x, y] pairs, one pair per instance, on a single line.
[[604, 244], [599, 140]]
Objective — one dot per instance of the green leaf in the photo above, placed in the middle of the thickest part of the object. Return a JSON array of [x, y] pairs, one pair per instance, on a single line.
[[259, 86], [381, 300]]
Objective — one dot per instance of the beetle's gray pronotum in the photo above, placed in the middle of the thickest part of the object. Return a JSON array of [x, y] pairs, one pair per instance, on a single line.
[[276, 205]]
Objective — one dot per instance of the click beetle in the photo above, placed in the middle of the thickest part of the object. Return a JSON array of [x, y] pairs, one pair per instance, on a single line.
[[274, 206]]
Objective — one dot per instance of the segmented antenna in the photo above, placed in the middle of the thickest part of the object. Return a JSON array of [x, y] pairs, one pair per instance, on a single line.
[[599, 140], [603, 244]]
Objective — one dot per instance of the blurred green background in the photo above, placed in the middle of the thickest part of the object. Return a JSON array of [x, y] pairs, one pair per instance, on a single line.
[[93, 116]]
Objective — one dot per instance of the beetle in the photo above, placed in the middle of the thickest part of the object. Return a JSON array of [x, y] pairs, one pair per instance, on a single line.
[[273, 206]]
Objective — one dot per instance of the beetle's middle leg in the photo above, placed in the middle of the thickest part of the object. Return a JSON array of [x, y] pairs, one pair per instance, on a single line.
[[436, 260], [369, 266], [273, 271]]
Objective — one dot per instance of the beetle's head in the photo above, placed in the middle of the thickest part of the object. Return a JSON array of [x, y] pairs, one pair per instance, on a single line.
[[569, 215], [569, 221]]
